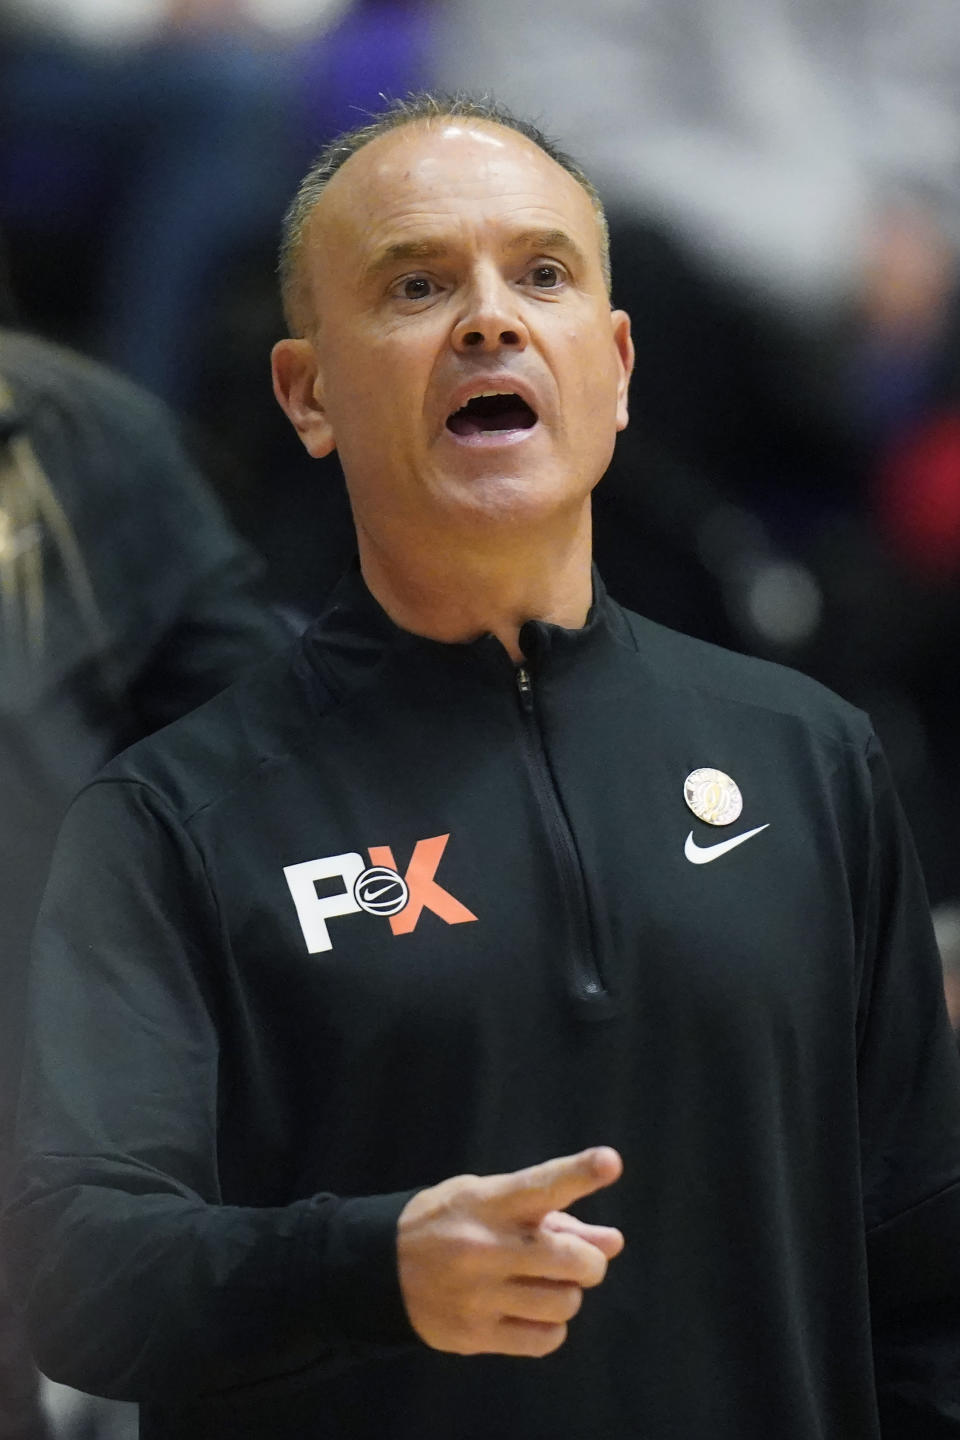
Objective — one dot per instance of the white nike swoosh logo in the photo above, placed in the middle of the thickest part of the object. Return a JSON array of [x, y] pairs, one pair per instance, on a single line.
[[703, 854], [371, 895]]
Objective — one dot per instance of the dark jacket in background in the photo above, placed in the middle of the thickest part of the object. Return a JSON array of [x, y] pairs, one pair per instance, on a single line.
[[148, 608], [177, 618]]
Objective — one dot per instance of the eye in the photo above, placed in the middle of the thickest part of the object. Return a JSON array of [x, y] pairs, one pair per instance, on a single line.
[[546, 276], [414, 287]]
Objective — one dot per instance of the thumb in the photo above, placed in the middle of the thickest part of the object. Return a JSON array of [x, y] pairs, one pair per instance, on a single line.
[[555, 1184], [608, 1240]]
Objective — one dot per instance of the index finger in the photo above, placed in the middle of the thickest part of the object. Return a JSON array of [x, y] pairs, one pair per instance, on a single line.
[[554, 1184]]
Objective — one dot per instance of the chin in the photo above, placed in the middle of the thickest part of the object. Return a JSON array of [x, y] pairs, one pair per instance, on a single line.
[[511, 499]]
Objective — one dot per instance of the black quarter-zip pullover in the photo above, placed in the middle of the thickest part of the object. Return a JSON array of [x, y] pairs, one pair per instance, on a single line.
[[394, 910]]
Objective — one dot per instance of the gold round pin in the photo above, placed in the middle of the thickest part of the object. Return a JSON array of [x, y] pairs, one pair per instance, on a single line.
[[713, 796]]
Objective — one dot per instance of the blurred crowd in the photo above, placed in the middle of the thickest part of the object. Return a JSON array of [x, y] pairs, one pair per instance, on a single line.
[[783, 185]]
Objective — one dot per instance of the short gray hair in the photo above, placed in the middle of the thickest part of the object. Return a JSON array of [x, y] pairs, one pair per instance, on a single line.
[[418, 107]]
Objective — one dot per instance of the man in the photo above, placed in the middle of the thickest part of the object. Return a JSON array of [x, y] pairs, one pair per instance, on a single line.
[[348, 986]]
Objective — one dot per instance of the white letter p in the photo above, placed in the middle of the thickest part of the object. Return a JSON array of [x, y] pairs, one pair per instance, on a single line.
[[313, 910]]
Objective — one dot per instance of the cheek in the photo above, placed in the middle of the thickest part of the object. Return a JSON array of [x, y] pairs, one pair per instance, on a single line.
[[589, 356], [397, 365], [366, 387], [594, 375], [602, 370], [591, 409], [377, 407]]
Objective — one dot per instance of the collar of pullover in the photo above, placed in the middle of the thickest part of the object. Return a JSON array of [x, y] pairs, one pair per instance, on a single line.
[[354, 636]]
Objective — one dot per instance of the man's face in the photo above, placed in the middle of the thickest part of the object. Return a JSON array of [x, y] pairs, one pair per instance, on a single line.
[[465, 361]]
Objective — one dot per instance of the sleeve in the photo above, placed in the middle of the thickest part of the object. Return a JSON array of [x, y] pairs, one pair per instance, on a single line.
[[137, 1281], [220, 629], [909, 1076], [190, 585]]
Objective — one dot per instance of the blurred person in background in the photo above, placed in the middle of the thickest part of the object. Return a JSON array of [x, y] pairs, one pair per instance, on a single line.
[[148, 141], [146, 150], [125, 600], [802, 154], [784, 187]]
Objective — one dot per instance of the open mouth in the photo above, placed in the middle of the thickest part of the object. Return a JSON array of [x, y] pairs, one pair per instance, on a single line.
[[486, 413]]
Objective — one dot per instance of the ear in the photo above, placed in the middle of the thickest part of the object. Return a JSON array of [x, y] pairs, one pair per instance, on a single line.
[[298, 386], [623, 340]]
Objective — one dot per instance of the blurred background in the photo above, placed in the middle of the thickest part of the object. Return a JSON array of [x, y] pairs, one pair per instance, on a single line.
[[783, 183]]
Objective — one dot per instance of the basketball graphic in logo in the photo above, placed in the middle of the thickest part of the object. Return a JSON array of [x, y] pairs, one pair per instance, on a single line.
[[381, 891]]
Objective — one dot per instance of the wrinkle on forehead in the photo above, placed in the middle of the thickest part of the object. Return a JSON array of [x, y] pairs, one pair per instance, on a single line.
[[399, 162], [404, 173]]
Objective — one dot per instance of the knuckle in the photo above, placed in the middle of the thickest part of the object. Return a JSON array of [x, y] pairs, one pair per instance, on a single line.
[[549, 1339], [471, 1328], [594, 1268], [582, 1263], [472, 1341], [596, 1277], [468, 1188], [562, 1252], [522, 1181], [560, 1305]]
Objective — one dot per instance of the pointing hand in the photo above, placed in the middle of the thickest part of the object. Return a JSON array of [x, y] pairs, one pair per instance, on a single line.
[[493, 1265]]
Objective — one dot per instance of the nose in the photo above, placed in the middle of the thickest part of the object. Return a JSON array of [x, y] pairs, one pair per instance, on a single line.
[[491, 318]]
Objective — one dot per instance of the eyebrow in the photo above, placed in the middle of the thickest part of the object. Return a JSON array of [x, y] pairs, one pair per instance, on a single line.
[[546, 240], [403, 250]]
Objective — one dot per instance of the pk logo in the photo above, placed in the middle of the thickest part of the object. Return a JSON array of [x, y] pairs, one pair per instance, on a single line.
[[377, 888]]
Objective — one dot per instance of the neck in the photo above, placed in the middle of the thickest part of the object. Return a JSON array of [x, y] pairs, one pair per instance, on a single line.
[[455, 593]]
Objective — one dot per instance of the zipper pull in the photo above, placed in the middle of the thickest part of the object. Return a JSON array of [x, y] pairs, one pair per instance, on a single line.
[[525, 689]]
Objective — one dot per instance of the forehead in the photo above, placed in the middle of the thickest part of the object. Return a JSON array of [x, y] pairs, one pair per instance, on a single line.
[[446, 173]]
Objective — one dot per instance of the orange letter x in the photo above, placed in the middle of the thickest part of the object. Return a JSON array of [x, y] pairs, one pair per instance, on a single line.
[[425, 893]]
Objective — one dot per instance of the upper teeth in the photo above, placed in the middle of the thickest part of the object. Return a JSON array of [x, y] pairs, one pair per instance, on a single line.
[[482, 394]]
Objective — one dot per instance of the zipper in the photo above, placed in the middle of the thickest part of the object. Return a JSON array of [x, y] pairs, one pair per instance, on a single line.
[[587, 980], [526, 690]]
